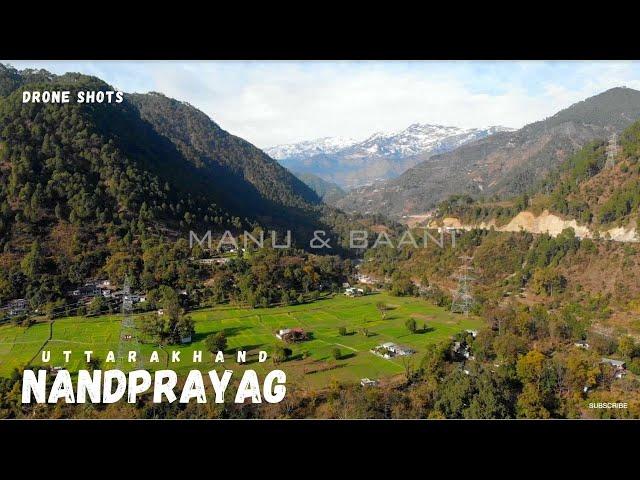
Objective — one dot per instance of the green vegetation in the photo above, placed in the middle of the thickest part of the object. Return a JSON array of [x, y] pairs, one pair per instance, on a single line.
[[329, 192], [229, 329], [89, 190]]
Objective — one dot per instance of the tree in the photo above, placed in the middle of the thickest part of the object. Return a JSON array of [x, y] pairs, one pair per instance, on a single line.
[[342, 331], [402, 286], [281, 353], [97, 305], [382, 308], [336, 353], [548, 281], [178, 329], [411, 325], [407, 364], [530, 404], [170, 302], [432, 363], [454, 394], [530, 367], [491, 399], [508, 347], [32, 262], [627, 347], [582, 370], [216, 342], [152, 326]]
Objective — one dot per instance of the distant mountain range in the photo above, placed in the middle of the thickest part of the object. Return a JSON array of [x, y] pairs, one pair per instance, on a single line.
[[350, 163], [503, 164]]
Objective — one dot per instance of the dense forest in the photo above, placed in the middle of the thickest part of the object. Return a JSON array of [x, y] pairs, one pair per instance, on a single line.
[[89, 190]]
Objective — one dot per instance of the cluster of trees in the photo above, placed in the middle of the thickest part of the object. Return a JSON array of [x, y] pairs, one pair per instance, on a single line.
[[268, 276], [476, 210], [170, 328]]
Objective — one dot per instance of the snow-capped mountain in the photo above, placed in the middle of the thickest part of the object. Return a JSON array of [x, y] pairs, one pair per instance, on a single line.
[[419, 138], [381, 156], [310, 148]]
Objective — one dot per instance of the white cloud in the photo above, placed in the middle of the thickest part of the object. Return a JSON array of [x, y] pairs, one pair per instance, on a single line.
[[270, 103]]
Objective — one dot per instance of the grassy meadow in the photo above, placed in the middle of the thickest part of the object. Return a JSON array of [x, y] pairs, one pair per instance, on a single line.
[[312, 364]]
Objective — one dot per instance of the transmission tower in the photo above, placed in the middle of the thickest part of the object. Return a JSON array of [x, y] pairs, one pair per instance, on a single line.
[[128, 332], [612, 150], [463, 299]]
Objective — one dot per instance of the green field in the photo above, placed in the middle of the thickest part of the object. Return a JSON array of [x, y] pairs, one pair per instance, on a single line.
[[253, 330]]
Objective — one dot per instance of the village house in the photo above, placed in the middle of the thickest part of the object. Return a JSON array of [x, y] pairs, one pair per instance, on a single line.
[[582, 344], [389, 349], [90, 289], [366, 382], [291, 335], [619, 367], [17, 307], [354, 292], [366, 279], [463, 350]]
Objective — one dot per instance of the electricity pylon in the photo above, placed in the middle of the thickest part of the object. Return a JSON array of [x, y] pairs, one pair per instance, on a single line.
[[463, 299], [128, 332]]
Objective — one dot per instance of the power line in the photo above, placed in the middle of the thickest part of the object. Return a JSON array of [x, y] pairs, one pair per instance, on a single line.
[[463, 300], [129, 341]]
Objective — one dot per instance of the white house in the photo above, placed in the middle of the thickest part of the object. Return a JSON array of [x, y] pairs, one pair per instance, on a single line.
[[390, 349], [17, 306], [354, 292], [282, 332], [367, 382], [618, 365]]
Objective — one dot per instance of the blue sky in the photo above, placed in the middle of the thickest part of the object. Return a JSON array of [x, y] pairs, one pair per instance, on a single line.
[[270, 103]]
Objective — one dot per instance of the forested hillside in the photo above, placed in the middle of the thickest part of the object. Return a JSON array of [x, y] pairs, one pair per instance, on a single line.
[[88, 188], [329, 192], [598, 186]]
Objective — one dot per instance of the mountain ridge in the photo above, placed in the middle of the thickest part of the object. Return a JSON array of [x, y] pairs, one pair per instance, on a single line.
[[380, 156], [506, 163]]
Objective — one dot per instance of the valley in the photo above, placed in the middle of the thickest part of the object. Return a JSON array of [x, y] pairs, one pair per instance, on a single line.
[[531, 313]]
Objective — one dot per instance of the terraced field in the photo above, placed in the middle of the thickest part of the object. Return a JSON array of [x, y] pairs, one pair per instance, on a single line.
[[312, 363]]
